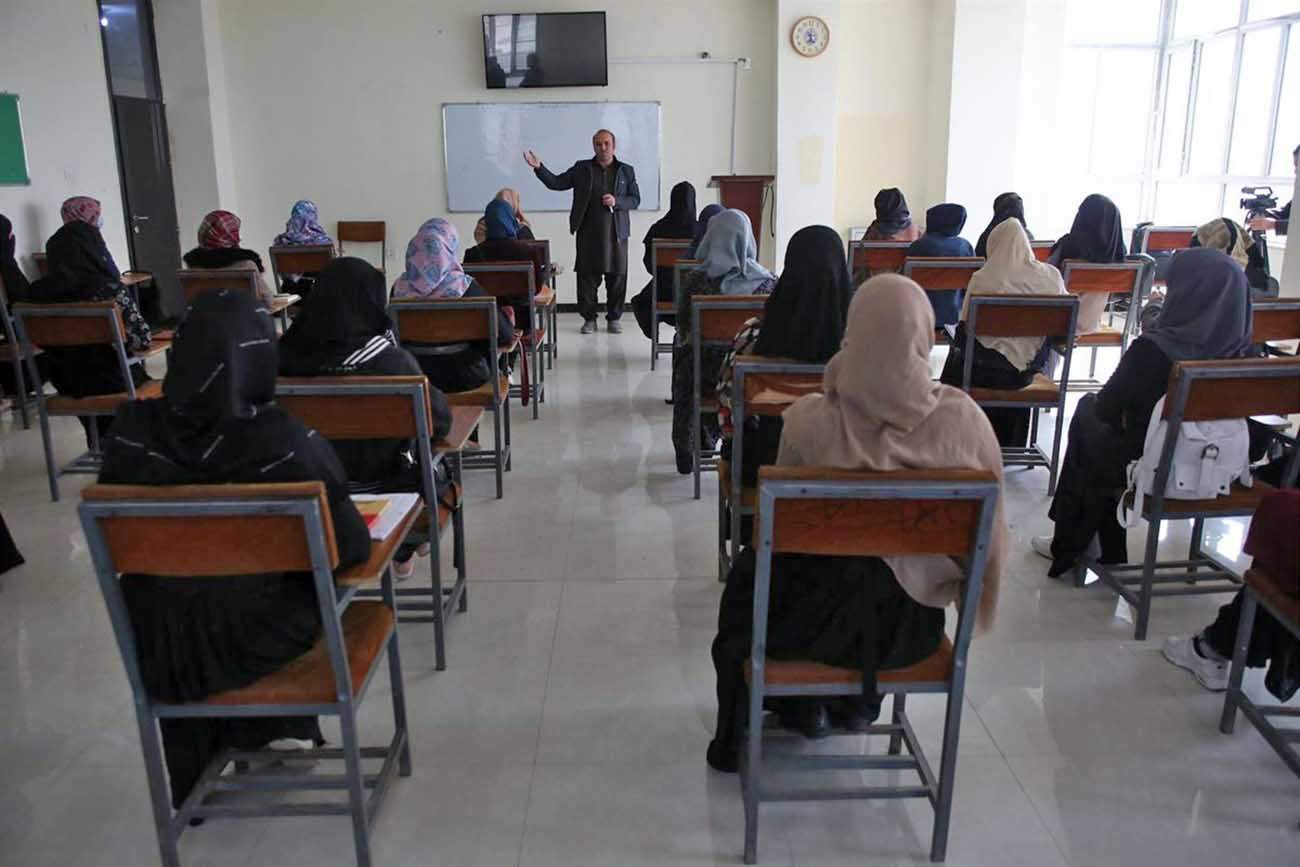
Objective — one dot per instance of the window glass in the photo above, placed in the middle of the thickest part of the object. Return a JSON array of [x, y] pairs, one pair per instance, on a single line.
[[1182, 204], [1203, 17], [1261, 9], [1213, 95], [1079, 91], [1288, 110], [1250, 150], [1178, 83], [126, 41], [1124, 81], [1114, 21]]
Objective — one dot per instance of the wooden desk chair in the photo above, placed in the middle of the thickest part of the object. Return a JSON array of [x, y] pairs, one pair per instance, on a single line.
[[664, 253], [1049, 317], [393, 407], [195, 282], [426, 327], [764, 388], [1042, 249], [942, 274], [516, 283], [304, 259], [1276, 321], [97, 323], [1202, 391], [12, 351], [829, 512], [868, 258], [220, 530], [1162, 239], [547, 300], [1128, 281], [1269, 591], [364, 232], [715, 322], [42, 263]]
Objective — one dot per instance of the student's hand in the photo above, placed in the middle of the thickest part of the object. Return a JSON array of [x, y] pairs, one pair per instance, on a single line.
[[532, 160], [1262, 224], [607, 200]]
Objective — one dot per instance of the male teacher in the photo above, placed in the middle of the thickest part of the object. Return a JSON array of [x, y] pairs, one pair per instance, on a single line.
[[604, 190]]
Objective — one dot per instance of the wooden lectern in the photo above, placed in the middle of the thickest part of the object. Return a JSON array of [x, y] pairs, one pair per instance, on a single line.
[[744, 193]]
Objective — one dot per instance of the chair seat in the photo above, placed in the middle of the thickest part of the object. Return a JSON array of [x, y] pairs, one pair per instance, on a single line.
[[748, 495], [1269, 588], [100, 404], [157, 346], [1238, 501], [1041, 390], [1103, 336], [309, 679], [481, 396], [545, 297], [935, 668], [536, 338], [666, 307]]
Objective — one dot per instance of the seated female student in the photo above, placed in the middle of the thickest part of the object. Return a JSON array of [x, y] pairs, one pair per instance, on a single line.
[[505, 244], [803, 320], [729, 265], [1005, 362], [943, 225], [1232, 238], [1007, 206], [893, 220], [707, 213], [1206, 315], [510, 197], [216, 423], [879, 411], [302, 229], [1097, 235], [219, 249], [678, 224], [84, 209], [432, 272], [81, 269], [14, 288], [343, 329]]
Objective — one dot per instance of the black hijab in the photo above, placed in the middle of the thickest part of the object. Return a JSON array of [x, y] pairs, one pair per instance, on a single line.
[[1097, 234], [804, 318], [946, 220], [892, 215], [223, 257], [702, 226], [80, 268], [15, 281], [346, 309], [1005, 207], [681, 210]]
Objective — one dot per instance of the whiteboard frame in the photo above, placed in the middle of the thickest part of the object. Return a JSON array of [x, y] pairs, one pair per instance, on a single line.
[[22, 141], [446, 166]]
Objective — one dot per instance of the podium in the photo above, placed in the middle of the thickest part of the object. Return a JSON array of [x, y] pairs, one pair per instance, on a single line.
[[744, 193]]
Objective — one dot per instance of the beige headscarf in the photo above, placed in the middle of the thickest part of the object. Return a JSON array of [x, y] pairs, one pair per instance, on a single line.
[[1011, 269], [881, 411], [511, 197], [1219, 235]]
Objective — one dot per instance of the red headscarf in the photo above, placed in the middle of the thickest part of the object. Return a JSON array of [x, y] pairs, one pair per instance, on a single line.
[[219, 230], [82, 208]]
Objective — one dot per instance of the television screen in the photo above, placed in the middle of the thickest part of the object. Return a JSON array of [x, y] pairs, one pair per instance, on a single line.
[[550, 49]]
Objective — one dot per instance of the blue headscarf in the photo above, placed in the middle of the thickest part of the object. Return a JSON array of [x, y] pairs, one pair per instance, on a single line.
[[303, 227], [499, 218]]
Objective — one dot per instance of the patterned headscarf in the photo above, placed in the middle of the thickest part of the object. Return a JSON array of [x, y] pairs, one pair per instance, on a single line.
[[83, 208], [303, 227], [433, 264], [219, 231]]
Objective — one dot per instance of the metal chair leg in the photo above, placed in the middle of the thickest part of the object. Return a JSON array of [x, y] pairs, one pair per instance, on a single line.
[[355, 782], [1148, 578], [395, 678], [654, 339], [156, 775], [753, 768], [899, 708], [947, 768], [435, 581], [20, 383], [501, 452], [51, 470], [1245, 626]]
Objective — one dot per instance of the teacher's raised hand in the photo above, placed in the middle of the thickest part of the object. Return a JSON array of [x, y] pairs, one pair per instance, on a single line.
[[532, 160]]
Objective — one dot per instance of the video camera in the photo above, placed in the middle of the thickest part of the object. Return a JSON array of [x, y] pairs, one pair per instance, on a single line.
[[1261, 200]]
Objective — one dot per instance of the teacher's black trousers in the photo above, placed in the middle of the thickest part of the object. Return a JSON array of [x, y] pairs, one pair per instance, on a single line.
[[615, 291]]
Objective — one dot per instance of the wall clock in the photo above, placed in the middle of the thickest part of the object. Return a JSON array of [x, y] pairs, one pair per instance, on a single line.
[[810, 36]]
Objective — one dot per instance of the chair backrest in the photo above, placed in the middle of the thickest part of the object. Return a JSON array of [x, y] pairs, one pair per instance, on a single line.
[[767, 386], [1113, 278], [443, 320], [42, 264], [300, 259], [1042, 249], [941, 273], [210, 531], [667, 252], [1051, 316], [680, 269], [877, 256], [194, 282], [718, 318], [542, 248], [1232, 388], [834, 512], [1276, 320], [362, 231], [90, 323], [512, 282], [1159, 239]]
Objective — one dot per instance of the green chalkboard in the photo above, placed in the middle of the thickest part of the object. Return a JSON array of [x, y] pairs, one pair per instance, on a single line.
[[13, 152]]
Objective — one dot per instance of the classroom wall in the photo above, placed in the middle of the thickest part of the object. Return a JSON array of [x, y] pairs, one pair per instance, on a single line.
[[67, 121], [340, 102]]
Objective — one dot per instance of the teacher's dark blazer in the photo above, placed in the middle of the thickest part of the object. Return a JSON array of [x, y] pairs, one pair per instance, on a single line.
[[580, 179]]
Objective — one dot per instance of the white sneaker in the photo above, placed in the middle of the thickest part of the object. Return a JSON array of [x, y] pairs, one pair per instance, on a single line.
[[1209, 673], [1042, 546], [290, 745]]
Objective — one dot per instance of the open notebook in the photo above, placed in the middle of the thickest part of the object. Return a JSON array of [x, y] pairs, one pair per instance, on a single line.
[[383, 512]]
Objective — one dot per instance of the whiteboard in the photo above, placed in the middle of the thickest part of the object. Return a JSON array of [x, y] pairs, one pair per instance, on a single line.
[[483, 146]]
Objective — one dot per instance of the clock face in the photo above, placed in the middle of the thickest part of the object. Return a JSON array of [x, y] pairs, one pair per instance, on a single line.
[[810, 36]]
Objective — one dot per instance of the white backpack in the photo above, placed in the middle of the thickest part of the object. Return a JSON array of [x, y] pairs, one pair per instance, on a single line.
[[1208, 457]]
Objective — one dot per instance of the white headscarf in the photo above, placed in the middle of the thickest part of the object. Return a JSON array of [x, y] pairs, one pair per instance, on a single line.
[[1011, 269], [728, 251]]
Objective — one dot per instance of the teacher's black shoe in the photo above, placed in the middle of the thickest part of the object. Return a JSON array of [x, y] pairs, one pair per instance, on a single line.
[[588, 326], [614, 326]]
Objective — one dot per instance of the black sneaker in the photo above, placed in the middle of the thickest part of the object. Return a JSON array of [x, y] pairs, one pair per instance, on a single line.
[[588, 327]]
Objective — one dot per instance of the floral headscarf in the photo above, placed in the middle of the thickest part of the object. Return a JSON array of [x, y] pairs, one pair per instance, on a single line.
[[433, 264], [219, 231], [83, 208], [303, 227]]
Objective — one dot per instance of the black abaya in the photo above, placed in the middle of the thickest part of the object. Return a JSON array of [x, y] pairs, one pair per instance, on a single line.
[[10, 557]]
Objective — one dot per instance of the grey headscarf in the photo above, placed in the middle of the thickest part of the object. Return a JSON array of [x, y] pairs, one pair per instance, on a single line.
[[1207, 309], [729, 251]]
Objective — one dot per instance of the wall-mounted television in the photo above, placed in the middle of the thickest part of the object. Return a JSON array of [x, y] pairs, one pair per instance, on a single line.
[[547, 49]]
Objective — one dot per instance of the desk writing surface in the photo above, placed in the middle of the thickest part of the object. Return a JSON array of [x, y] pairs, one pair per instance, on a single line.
[[463, 421]]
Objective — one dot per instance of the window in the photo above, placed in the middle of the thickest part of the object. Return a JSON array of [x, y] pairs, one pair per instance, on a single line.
[[1180, 103]]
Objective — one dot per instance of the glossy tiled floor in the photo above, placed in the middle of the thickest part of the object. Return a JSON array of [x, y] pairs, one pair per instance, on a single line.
[[570, 726]]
